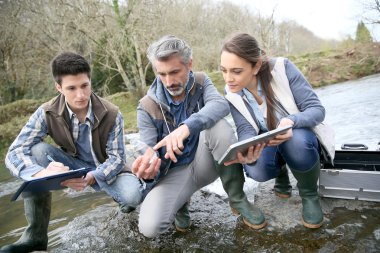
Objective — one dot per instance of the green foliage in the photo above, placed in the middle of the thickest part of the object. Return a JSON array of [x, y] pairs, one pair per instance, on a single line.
[[351, 61], [217, 79], [17, 109], [10, 129], [367, 67], [8, 132], [362, 33], [127, 103], [13, 117]]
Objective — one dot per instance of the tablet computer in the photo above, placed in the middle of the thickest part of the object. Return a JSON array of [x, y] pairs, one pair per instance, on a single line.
[[49, 183], [231, 152]]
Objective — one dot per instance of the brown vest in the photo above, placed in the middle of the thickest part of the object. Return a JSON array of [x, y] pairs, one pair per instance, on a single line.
[[59, 125]]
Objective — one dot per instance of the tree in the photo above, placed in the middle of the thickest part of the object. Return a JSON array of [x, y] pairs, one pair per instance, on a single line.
[[119, 48], [362, 33], [114, 36], [372, 8], [107, 33]]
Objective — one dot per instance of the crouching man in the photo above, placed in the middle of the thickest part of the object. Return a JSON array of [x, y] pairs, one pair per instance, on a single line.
[[181, 119], [89, 133]]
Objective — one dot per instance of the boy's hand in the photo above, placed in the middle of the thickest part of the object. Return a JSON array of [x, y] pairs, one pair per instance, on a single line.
[[53, 168]]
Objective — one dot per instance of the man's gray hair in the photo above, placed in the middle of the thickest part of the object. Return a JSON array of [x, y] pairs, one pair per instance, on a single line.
[[167, 46]]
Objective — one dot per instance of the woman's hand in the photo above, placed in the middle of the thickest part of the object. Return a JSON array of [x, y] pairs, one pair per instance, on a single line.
[[252, 155], [282, 137]]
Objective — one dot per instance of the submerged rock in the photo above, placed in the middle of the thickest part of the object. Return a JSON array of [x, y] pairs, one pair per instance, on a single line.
[[351, 226]]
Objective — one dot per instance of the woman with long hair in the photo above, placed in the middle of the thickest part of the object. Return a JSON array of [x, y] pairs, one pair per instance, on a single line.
[[265, 94]]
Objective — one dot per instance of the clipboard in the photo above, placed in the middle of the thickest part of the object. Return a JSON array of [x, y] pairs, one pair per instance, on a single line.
[[243, 146], [49, 183]]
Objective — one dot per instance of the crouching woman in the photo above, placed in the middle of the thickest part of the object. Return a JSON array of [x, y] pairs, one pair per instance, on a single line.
[[265, 94]]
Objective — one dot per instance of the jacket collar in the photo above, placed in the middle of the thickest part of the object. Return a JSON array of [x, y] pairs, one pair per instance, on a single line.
[[89, 115], [58, 107], [237, 100]]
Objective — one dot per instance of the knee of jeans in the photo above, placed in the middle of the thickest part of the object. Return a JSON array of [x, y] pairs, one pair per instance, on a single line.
[[303, 164], [259, 175], [132, 197], [39, 152], [301, 157], [148, 227]]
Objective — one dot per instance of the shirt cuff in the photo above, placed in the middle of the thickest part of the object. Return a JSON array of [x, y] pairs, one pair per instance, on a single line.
[[293, 118], [99, 177]]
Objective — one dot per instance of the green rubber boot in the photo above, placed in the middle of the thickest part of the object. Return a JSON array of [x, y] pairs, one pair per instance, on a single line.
[[232, 178], [312, 215], [182, 220], [282, 186], [37, 212]]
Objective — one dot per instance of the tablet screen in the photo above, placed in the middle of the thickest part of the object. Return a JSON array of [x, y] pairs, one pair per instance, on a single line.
[[243, 146]]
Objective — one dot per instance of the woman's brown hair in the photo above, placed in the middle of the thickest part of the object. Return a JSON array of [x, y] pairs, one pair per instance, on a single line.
[[245, 46]]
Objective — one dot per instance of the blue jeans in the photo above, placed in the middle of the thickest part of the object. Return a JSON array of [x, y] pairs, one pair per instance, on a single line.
[[127, 190], [300, 153]]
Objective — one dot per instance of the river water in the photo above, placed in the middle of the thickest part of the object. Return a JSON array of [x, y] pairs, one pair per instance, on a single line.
[[90, 221]]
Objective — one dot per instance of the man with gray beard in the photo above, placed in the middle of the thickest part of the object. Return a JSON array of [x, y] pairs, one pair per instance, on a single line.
[[181, 120]]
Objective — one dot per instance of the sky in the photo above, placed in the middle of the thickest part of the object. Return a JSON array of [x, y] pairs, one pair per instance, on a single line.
[[328, 19]]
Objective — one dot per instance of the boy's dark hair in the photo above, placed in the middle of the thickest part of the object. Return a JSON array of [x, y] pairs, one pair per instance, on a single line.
[[69, 63]]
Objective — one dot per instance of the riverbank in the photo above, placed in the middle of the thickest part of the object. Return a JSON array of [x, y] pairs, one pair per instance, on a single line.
[[335, 66], [331, 66]]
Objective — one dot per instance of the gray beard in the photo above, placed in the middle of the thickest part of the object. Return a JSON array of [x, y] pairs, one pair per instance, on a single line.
[[179, 91], [176, 92]]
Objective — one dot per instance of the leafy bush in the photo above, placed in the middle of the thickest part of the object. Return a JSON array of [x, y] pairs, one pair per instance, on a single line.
[[18, 109]]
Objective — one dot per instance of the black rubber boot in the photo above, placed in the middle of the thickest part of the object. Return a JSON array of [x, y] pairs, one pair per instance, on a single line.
[[282, 187], [182, 220], [37, 212], [312, 215], [232, 178]]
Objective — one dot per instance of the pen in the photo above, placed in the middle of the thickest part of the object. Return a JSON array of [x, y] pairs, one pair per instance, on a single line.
[[49, 158]]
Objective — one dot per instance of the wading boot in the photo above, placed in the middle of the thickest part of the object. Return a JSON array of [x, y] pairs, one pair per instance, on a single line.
[[232, 178], [312, 216], [37, 212], [282, 187], [182, 218], [126, 208]]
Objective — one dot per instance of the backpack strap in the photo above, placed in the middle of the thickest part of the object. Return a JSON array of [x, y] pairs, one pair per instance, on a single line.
[[200, 77], [197, 92], [151, 107]]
